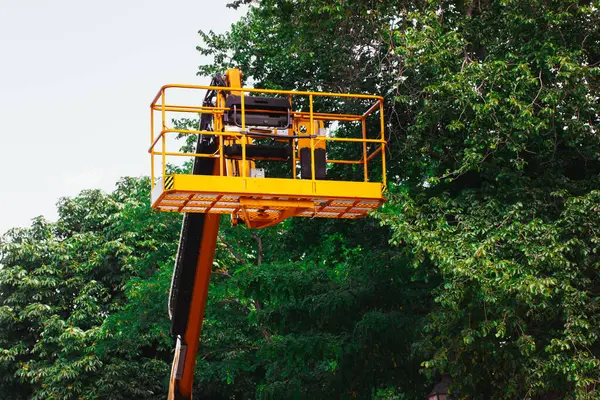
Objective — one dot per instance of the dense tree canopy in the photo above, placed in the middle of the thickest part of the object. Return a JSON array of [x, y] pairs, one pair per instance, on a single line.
[[484, 264]]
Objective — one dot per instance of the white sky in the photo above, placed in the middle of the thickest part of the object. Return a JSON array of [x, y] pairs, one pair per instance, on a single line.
[[76, 81]]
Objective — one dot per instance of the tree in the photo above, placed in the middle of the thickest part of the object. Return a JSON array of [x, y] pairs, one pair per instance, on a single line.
[[492, 122], [503, 156], [61, 285]]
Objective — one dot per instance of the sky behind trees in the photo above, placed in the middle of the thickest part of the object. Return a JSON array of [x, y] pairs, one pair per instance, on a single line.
[[76, 80]]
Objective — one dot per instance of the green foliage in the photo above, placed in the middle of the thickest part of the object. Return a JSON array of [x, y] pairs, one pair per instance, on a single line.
[[494, 163], [84, 307], [499, 192], [330, 323], [64, 288]]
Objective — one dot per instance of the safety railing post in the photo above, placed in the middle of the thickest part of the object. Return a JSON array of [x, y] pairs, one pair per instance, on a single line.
[[294, 142], [218, 127], [311, 131], [364, 135], [151, 149], [162, 109], [244, 166], [383, 165], [163, 140], [294, 158], [221, 157], [164, 159]]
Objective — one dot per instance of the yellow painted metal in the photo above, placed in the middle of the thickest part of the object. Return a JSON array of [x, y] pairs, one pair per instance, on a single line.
[[329, 116], [365, 162], [164, 156], [194, 109], [294, 161], [296, 114], [234, 134], [345, 161], [311, 132], [269, 91], [279, 198], [262, 200], [259, 213], [244, 166], [275, 204], [234, 79], [162, 109], [275, 186], [151, 154], [350, 140], [382, 124], [201, 155], [221, 156]]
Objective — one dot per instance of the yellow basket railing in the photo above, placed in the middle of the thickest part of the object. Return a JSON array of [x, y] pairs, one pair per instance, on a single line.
[[166, 110]]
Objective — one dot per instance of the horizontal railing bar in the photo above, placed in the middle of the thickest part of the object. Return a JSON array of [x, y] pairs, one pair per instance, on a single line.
[[238, 134], [332, 116], [345, 161], [168, 107], [176, 153], [188, 110], [217, 110], [193, 132], [266, 91], [352, 140], [158, 107], [215, 155], [275, 135]]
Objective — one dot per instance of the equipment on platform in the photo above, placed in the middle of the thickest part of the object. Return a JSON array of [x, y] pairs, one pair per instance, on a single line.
[[241, 131]]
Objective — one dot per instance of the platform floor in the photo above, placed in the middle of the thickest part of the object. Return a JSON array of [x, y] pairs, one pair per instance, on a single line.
[[266, 196]]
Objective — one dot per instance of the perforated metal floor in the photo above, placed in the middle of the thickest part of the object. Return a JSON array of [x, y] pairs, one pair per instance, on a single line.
[[266, 197]]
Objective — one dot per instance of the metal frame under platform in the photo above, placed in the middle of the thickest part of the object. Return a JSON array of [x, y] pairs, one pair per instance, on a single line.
[[266, 198]]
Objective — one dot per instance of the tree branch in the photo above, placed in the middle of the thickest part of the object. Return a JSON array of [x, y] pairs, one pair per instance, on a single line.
[[225, 349], [234, 253], [260, 248]]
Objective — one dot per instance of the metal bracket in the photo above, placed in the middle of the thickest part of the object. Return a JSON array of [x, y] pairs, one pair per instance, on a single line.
[[180, 351]]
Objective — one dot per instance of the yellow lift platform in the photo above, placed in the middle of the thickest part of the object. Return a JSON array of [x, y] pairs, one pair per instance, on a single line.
[[265, 201]]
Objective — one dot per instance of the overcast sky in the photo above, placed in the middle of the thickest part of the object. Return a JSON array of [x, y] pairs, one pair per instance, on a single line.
[[76, 81]]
